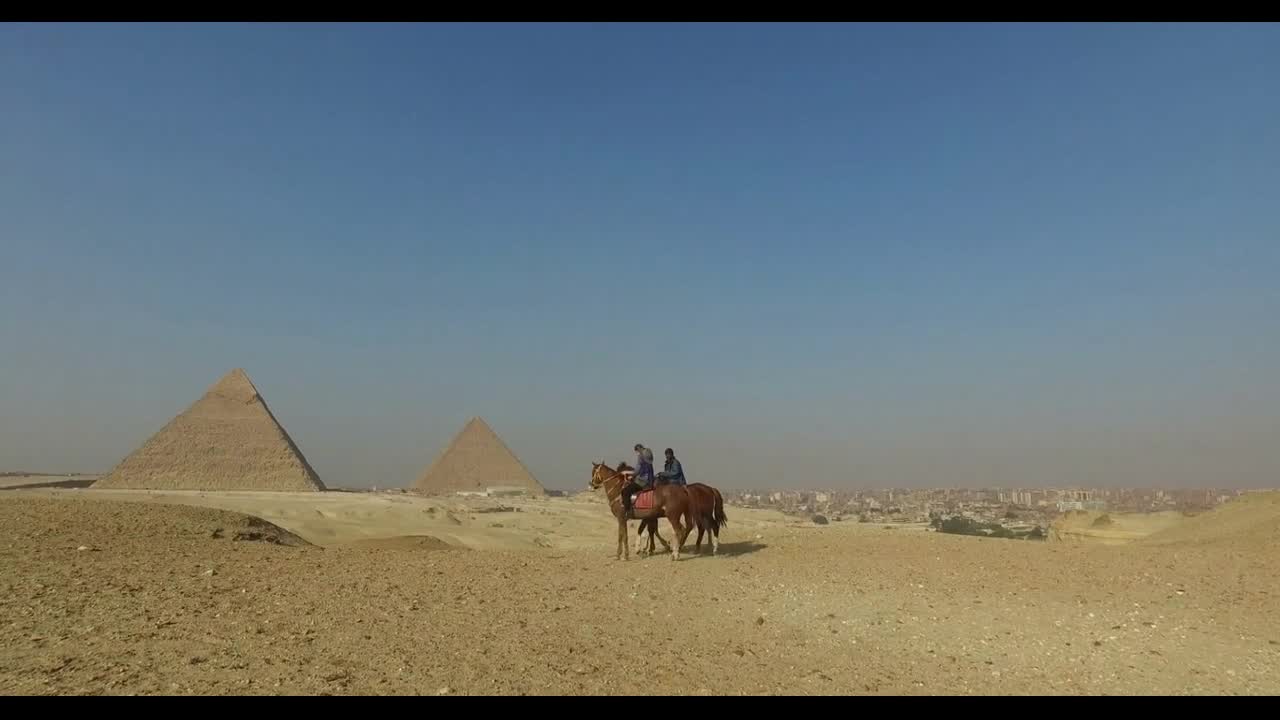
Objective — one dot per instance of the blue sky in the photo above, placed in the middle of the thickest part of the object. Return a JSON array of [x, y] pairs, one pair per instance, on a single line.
[[839, 255]]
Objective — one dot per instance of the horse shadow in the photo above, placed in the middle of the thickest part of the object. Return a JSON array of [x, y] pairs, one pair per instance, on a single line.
[[727, 549]]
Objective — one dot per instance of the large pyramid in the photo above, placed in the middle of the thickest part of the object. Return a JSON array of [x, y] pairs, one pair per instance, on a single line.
[[227, 440], [476, 460]]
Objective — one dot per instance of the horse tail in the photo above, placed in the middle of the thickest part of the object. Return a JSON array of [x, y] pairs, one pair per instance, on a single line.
[[702, 506], [720, 519]]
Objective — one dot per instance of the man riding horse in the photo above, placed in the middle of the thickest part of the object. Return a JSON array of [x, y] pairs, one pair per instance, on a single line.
[[707, 502], [667, 500], [672, 470]]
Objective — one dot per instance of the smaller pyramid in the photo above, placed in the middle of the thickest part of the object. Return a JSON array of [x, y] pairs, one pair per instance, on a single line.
[[475, 461], [226, 440]]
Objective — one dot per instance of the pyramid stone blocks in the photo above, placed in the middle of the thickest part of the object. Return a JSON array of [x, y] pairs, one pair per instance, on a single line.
[[476, 461], [226, 440]]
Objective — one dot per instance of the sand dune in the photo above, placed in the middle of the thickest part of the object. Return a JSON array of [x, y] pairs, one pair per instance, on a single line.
[[1252, 519], [1081, 526], [111, 592]]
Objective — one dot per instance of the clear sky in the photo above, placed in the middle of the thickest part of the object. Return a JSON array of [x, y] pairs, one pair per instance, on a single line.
[[802, 255]]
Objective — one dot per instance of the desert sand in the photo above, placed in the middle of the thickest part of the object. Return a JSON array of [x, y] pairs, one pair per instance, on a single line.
[[118, 592]]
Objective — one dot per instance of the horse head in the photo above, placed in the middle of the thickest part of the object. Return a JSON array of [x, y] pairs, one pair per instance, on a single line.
[[599, 473]]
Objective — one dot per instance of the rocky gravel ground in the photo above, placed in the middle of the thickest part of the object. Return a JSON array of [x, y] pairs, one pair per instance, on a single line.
[[106, 597]]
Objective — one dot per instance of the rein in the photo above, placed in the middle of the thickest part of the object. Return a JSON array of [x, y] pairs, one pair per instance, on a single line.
[[612, 482]]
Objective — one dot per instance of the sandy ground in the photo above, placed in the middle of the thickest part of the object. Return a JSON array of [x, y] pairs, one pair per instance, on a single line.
[[391, 600]]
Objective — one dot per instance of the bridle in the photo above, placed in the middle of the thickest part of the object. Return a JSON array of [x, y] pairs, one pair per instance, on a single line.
[[603, 476], [601, 479]]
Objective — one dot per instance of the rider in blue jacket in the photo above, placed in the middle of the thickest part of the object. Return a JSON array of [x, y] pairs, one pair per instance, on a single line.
[[642, 480], [672, 471]]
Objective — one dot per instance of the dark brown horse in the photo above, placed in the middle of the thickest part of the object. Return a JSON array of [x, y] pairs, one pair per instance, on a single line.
[[669, 501], [709, 516], [707, 506]]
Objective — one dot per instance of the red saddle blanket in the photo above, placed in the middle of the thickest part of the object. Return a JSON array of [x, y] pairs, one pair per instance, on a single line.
[[643, 501]]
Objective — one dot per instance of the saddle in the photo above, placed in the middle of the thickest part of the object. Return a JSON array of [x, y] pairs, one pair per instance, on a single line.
[[643, 501]]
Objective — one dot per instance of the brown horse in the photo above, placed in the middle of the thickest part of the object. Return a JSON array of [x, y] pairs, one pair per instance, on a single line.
[[707, 505], [651, 524], [669, 501], [709, 514]]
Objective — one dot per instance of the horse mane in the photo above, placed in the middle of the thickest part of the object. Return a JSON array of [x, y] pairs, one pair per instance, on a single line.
[[624, 467]]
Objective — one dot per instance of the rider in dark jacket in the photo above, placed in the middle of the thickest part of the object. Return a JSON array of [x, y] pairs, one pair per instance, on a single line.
[[672, 471]]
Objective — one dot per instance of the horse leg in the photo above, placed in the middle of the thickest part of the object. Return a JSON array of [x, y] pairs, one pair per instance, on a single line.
[[715, 540], [652, 526], [700, 520], [640, 538], [680, 534], [654, 533], [622, 541], [639, 535]]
